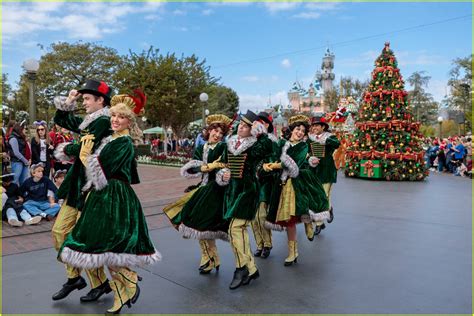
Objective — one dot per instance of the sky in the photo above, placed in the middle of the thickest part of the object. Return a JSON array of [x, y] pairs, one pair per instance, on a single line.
[[256, 48]]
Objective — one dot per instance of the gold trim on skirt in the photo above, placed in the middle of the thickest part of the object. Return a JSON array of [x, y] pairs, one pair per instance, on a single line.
[[287, 205]]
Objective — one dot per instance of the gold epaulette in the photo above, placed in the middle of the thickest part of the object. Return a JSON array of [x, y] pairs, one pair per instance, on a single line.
[[236, 165], [318, 150]]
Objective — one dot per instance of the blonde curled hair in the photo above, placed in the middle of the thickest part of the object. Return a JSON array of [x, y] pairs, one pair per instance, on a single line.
[[123, 110]]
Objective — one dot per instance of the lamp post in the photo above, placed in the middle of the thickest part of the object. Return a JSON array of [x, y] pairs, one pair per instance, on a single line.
[[203, 97], [440, 121], [11, 101], [31, 66]]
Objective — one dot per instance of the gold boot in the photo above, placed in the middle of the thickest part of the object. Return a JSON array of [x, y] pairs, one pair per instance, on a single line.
[[214, 260], [130, 278], [292, 253], [309, 230], [121, 297], [205, 255]]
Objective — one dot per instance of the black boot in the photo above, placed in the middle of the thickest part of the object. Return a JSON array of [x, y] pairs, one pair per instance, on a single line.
[[254, 276], [258, 253], [240, 274], [331, 215], [318, 229], [266, 252], [78, 283], [97, 292]]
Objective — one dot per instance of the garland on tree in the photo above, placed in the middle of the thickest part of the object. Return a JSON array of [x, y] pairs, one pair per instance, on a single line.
[[386, 143]]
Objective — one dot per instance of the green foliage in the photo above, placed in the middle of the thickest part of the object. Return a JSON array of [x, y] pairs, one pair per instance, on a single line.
[[424, 107], [172, 84], [428, 131], [461, 89], [353, 87]]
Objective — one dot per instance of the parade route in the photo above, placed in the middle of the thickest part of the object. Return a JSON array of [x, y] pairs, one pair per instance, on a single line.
[[394, 247]]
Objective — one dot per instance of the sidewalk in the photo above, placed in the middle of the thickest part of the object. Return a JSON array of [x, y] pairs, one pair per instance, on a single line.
[[159, 186]]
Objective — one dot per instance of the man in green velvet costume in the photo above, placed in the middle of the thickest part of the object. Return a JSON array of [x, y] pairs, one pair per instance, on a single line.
[[322, 145], [96, 97], [243, 154]]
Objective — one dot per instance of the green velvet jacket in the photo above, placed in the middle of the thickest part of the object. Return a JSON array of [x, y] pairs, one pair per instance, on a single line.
[[326, 169], [98, 124], [242, 192], [112, 229]]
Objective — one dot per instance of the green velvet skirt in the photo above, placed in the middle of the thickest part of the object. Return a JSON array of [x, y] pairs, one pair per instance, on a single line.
[[308, 199], [201, 216], [111, 231]]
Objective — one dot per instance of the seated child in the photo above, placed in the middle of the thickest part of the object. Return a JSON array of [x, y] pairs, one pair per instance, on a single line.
[[35, 191], [12, 207], [58, 179]]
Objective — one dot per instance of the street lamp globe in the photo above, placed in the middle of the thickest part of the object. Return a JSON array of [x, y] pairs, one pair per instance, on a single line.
[[144, 119], [203, 97], [206, 112], [31, 65], [440, 119]]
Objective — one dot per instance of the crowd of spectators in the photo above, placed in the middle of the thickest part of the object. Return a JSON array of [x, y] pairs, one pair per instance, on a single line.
[[451, 155], [31, 175]]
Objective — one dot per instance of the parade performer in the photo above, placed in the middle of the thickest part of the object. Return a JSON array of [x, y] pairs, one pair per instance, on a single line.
[[322, 145], [243, 153], [300, 197], [96, 98], [263, 235], [198, 214], [112, 229]]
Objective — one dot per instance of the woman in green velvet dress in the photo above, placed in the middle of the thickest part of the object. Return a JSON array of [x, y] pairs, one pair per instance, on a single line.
[[112, 230], [300, 197], [198, 214]]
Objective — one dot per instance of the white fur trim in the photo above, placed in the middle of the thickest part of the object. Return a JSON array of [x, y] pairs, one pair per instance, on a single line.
[[89, 118], [272, 137], [258, 128], [290, 167], [60, 104], [245, 144], [59, 153], [219, 176], [94, 174], [190, 165], [317, 217], [92, 260], [320, 139], [189, 232], [313, 161], [273, 226]]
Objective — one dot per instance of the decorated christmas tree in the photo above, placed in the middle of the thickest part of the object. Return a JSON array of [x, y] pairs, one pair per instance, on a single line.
[[386, 143]]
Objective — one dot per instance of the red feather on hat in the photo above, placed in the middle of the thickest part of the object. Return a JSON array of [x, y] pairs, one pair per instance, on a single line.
[[140, 100]]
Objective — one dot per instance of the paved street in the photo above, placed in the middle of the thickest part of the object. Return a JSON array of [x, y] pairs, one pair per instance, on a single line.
[[392, 248]]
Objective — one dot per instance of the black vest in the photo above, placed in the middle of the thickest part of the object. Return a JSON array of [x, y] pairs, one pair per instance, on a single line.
[[21, 147]]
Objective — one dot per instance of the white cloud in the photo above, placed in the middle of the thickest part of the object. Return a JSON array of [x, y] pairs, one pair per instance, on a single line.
[[286, 63], [328, 6], [207, 12], [274, 7], [224, 3], [179, 12], [250, 78], [438, 89], [307, 15], [89, 21], [258, 102]]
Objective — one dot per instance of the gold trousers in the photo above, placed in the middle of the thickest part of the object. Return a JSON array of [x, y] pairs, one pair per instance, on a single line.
[[209, 251], [65, 222], [263, 236], [240, 243], [327, 188]]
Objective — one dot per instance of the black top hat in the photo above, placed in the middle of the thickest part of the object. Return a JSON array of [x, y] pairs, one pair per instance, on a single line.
[[321, 121], [249, 117], [267, 118], [98, 88]]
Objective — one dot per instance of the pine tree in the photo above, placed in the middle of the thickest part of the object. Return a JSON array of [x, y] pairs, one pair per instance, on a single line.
[[386, 142]]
